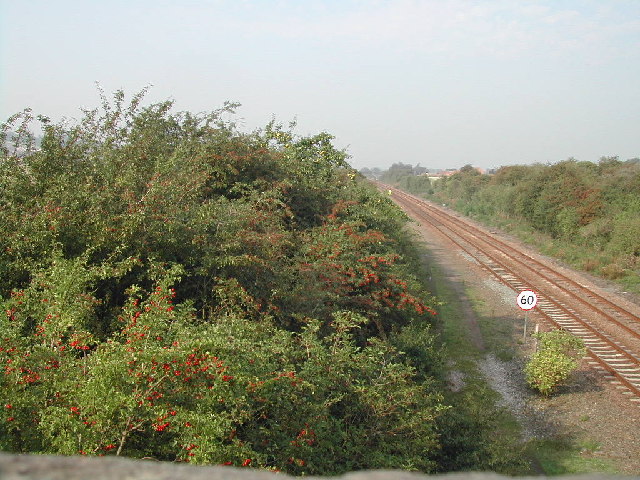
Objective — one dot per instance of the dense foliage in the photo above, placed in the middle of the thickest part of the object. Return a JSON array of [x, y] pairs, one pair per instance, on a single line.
[[175, 289], [589, 212]]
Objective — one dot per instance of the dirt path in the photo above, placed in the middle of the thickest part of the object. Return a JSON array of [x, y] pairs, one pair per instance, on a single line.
[[589, 411]]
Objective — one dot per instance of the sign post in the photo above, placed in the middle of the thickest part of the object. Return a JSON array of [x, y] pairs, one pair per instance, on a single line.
[[526, 300]]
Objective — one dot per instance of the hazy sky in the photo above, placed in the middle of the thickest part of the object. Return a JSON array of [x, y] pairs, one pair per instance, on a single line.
[[443, 83]]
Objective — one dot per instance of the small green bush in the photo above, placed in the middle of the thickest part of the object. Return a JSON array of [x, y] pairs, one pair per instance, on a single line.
[[556, 358]]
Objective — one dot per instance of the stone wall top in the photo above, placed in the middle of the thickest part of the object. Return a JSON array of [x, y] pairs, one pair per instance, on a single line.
[[51, 467]]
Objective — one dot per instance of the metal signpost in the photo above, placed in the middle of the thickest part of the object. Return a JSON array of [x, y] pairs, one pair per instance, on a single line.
[[527, 300]]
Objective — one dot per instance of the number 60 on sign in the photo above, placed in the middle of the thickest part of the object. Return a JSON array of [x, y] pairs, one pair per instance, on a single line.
[[527, 299]]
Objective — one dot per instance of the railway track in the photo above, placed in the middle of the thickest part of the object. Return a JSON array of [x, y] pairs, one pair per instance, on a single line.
[[610, 331]]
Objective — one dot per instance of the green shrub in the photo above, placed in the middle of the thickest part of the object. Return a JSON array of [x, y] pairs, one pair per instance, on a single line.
[[556, 358]]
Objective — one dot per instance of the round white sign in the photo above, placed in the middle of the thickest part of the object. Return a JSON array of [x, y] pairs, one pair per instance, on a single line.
[[527, 300]]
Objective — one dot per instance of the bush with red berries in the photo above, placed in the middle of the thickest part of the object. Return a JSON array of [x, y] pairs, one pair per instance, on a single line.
[[176, 289]]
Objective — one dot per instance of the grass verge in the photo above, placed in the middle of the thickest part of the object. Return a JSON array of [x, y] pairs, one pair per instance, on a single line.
[[477, 433], [559, 456]]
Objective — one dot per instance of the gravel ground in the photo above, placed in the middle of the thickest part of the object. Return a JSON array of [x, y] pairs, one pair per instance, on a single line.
[[507, 379]]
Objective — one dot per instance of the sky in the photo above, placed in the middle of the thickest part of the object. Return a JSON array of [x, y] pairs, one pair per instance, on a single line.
[[441, 83]]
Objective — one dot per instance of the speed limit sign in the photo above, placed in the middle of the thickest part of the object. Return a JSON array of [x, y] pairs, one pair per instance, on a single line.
[[527, 299]]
